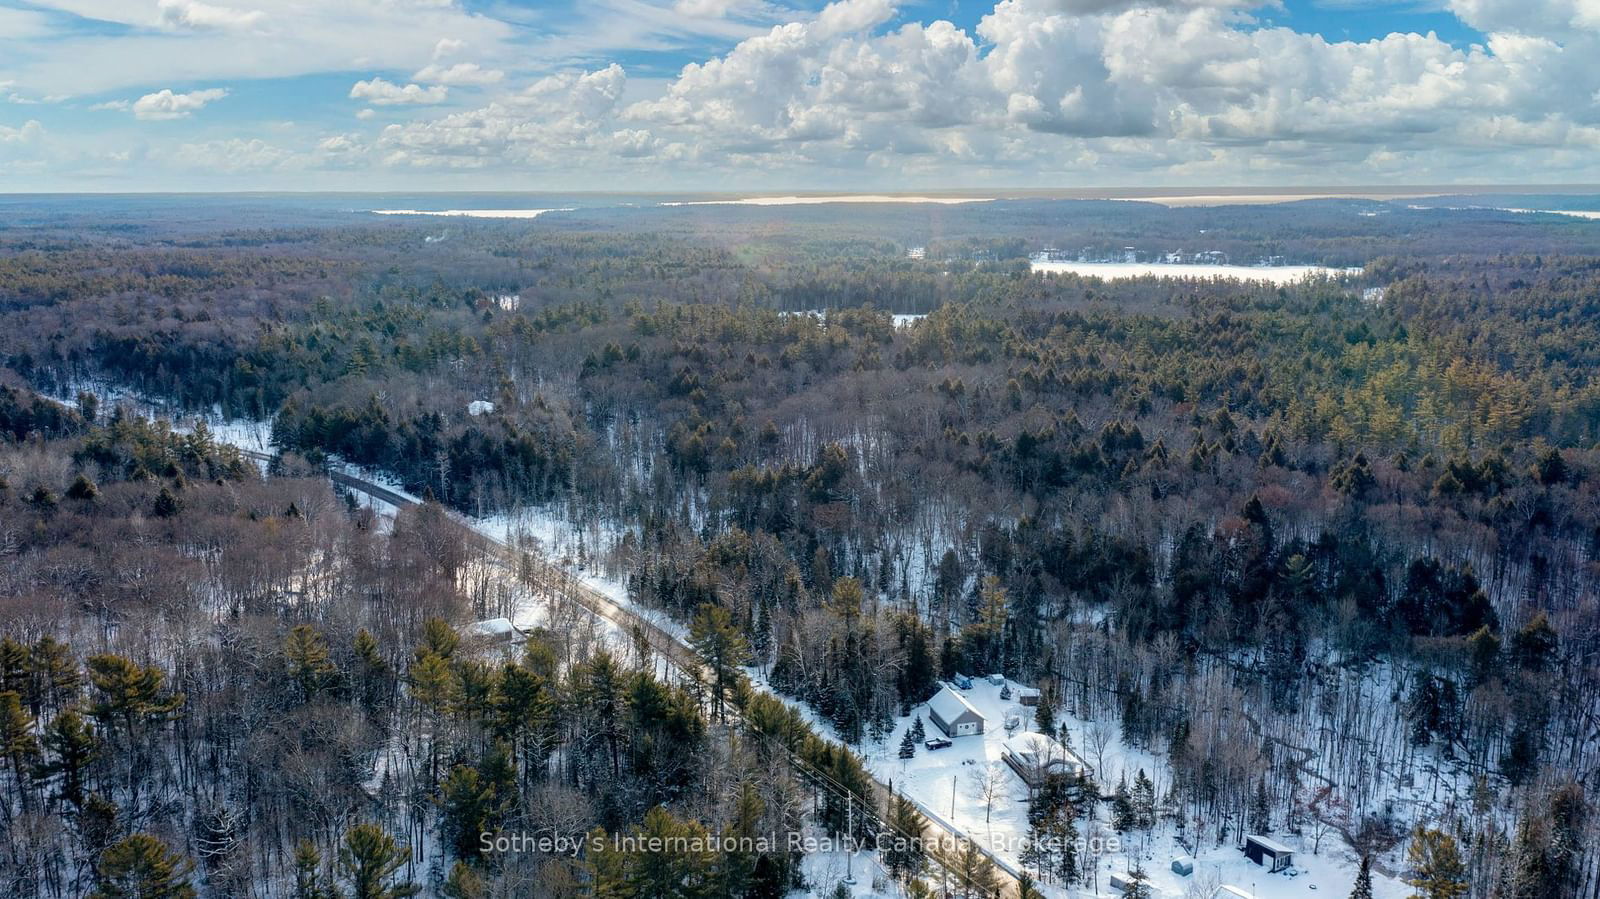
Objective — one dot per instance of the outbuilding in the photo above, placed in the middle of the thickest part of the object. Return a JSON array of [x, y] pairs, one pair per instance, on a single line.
[[494, 632], [1268, 853], [953, 714]]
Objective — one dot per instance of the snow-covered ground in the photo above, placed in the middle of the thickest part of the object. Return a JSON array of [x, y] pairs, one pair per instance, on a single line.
[[946, 785]]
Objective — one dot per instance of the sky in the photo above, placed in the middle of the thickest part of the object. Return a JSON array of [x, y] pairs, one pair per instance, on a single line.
[[764, 95]]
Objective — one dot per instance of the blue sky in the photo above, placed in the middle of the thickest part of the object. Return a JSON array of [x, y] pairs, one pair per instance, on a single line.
[[761, 94]]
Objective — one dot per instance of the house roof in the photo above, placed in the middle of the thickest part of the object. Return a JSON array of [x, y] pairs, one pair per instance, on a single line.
[[493, 627], [950, 705], [1269, 844], [1038, 749]]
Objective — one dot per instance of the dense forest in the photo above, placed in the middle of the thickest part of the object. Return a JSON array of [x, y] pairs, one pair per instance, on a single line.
[[1367, 520]]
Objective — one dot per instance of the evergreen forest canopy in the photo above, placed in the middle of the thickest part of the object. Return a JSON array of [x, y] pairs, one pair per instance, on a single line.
[[1366, 507]]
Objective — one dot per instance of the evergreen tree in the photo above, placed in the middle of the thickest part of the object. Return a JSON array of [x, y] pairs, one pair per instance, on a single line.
[[55, 674], [466, 806], [1122, 817], [1437, 871], [918, 732], [166, 504], [1144, 801], [908, 746], [722, 646], [71, 747], [309, 880], [82, 489], [903, 851], [1261, 808], [369, 861], [18, 745], [464, 882], [1363, 887], [306, 652], [142, 867]]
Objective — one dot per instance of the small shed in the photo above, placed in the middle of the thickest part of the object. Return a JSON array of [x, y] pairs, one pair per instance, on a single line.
[[1183, 866], [494, 632], [999, 680], [953, 714], [1267, 852], [1028, 696]]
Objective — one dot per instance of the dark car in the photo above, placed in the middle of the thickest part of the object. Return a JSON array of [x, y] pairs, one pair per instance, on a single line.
[[937, 743]]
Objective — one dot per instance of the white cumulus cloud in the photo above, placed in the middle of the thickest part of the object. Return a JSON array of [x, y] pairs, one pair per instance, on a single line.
[[164, 104], [383, 93]]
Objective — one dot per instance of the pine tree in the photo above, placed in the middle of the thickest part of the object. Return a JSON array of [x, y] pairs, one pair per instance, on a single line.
[[1122, 818], [55, 674], [83, 490], [1436, 868], [466, 805], [1044, 717], [166, 504], [903, 852], [714, 636], [464, 882], [129, 694], [1144, 801], [369, 861], [918, 732], [71, 747], [306, 653], [142, 867], [1261, 809], [18, 745], [908, 746], [1363, 888], [309, 880]]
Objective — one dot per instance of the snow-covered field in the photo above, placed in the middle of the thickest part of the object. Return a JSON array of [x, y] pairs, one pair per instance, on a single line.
[[1111, 271]]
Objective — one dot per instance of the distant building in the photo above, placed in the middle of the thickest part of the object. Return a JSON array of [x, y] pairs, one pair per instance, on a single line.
[[917, 253], [494, 632], [1268, 853], [953, 714], [479, 407], [1036, 756], [1129, 254]]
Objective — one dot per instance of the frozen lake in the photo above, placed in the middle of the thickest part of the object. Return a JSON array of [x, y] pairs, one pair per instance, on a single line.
[[1276, 274]]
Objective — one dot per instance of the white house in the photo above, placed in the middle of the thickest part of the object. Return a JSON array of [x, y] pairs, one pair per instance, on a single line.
[[1034, 756], [953, 713]]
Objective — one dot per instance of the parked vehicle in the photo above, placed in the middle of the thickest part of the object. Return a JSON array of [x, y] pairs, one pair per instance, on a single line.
[[937, 743]]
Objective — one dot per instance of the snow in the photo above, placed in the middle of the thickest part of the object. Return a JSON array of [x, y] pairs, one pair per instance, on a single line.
[[944, 784], [1111, 271], [479, 407]]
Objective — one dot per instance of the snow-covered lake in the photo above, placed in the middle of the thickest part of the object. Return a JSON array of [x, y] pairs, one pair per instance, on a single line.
[[1111, 271]]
